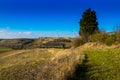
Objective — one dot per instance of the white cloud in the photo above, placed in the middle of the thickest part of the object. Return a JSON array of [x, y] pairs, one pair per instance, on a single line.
[[7, 33], [1, 31], [27, 33]]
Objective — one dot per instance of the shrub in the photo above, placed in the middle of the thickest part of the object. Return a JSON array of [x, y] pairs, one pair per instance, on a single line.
[[117, 35], [98, 37], [78, 41], [107, 38], [110, 40]]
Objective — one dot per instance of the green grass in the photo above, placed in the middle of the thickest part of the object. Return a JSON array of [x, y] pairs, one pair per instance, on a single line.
[[4, 49], [103, 64]]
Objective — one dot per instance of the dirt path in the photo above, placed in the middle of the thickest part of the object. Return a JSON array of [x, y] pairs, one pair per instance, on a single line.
[[12, 54]]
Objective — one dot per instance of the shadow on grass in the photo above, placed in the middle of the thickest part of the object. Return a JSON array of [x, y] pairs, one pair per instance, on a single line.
[[81, 71]]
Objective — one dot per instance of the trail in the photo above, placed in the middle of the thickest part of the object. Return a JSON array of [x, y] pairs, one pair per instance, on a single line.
[[12, 54], [81, 71]]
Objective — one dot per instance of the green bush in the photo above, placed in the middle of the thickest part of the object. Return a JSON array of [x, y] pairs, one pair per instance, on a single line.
[[117, 35], [104, 37], [98, 37], [109, 41], [107, 38], [78, 41]]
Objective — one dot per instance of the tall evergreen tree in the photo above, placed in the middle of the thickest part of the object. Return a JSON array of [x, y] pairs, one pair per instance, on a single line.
[[88, 24]]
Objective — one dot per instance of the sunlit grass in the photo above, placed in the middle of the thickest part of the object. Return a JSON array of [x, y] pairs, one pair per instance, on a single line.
[[29, 56], [4, 49], [40, 64], [105, 64]]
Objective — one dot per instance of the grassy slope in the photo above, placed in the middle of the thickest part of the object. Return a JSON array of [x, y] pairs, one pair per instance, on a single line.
[[101, 62], [3, 49], [104, 64], [39, 64], [27, 56], [17, 66], [59, 64]]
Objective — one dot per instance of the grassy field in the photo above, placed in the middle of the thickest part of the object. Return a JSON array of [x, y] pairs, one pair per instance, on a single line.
[[39, 64], [4, 49], [83, 63], [102, 64]]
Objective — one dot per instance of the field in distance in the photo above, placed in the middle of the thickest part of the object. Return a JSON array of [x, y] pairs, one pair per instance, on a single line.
[[4, 49]]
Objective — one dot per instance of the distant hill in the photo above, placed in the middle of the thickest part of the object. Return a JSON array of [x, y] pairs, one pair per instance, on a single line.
[[25, 43]]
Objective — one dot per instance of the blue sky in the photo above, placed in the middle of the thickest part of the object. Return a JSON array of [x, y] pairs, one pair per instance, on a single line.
[[53, 18]]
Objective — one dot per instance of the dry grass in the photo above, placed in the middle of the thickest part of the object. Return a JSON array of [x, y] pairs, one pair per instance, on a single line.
[[62, 64], [40, 64], [58, 64]]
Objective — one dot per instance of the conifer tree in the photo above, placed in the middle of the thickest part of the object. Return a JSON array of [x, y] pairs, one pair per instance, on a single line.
[[88, 24]]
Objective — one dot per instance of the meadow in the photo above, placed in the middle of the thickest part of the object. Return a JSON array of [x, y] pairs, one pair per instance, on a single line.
[[103, 64], [91, 61]]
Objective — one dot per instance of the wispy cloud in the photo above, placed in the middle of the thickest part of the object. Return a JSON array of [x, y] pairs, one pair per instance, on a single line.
[[8, 33], [25, 33]]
